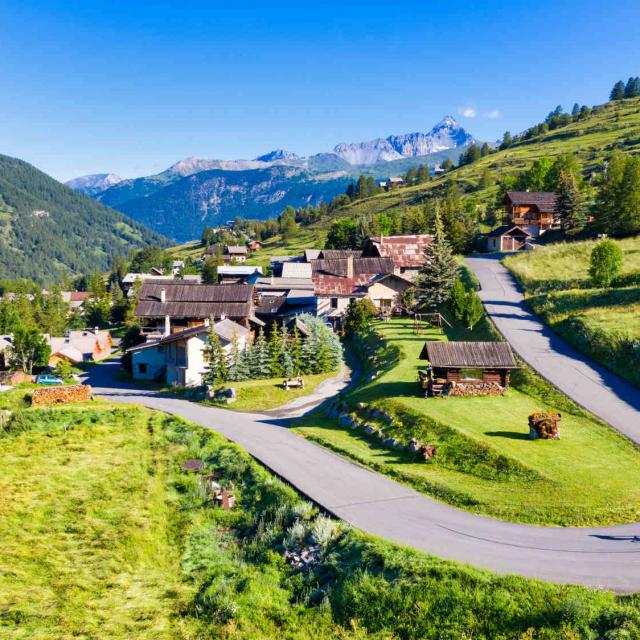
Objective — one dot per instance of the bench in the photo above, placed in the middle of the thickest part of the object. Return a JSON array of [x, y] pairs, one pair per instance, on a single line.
[[293, 383]]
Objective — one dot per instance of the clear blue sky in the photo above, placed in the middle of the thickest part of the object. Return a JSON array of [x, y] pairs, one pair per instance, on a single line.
[[131, 87]]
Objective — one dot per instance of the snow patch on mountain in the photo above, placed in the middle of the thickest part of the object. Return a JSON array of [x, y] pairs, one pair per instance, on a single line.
[[94, 183]]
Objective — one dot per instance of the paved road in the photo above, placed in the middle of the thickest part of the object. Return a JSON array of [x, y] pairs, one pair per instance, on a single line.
[[590, 385], [604, 557]]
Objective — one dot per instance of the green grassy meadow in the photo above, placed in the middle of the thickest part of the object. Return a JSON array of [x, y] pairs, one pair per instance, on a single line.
[[485, 462], [602, 323], [105, 536]]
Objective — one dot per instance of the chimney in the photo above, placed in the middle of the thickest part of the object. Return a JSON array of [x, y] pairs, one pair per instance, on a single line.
[[167, 325], [350, 267], [163, 295]]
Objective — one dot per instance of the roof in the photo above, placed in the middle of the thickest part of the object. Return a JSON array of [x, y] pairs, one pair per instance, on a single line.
[[187, 300], [239, 270], [77, 344], [361, 266], [504, 229], [224, 329], [296, 270], [544, 201], [311, 254], [235, 248], [130, 278], [405, 251], [383, 276], [336, 254], [271, 283], [281, 259], [469, 355]]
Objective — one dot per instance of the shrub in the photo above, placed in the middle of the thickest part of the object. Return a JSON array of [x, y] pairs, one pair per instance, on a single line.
[[359, 316], [606, 263]]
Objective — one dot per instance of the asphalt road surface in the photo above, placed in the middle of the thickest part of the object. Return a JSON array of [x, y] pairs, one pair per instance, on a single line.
[[607, 557], [589, 384]]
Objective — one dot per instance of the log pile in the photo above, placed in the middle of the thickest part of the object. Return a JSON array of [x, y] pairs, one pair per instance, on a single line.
[[545, 425], [62, 394], [475, 389]]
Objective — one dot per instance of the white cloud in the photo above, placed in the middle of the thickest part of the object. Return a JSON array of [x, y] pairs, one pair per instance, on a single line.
[[493, 114], [467, 112]]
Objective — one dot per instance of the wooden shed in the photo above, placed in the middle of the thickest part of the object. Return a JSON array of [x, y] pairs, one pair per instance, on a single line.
[[458, 362]]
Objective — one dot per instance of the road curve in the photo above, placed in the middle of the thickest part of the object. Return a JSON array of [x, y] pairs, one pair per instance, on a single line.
[[589, 384], [607, 557]]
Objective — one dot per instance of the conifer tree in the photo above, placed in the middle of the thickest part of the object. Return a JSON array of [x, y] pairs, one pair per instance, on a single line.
[[458, 299], [214, 358], [473, 310], [617, 93], [237, 361], [296, 351], [276, 351], [439, 272], [569, 202], [261, 361]]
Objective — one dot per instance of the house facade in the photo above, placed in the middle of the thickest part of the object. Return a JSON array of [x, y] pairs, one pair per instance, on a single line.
[[178, 359], [80, 346], [507, 238], [532, 211]]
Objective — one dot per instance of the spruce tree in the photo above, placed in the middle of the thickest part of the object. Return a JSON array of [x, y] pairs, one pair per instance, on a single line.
[[275, 351], [569, 202], [296, 351], [215, 359], [458, 299], [617, 93], [236, 370], [262, 359], [439, 272]]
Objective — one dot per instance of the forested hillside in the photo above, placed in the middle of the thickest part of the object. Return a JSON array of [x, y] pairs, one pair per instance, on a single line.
[[49, 231], [596, 147]]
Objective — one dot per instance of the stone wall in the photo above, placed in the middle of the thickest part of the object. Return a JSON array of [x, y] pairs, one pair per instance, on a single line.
[[62, 394]]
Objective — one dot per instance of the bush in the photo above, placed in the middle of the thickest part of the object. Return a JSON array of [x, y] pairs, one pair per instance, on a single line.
[[359, 316], [606, 263]]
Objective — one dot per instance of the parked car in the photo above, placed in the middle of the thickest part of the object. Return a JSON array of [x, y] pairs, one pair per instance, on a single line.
[[48, 379]]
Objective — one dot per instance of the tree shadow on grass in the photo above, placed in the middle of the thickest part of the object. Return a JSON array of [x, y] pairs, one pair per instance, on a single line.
[[513, 435]]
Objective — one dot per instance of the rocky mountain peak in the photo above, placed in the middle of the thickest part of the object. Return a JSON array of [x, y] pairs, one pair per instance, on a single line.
[[276, 155]]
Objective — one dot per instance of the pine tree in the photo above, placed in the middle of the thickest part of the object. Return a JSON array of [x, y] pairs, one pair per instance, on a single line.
[[507, 141], [617, 93], [215, 359], [632, 88], [261, 361], [485, 150], [237, 361], [439, 272], [569, 202]]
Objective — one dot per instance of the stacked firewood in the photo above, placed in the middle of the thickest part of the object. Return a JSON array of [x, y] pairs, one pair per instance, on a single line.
[[62, 394], [545, 425], [471, 390]]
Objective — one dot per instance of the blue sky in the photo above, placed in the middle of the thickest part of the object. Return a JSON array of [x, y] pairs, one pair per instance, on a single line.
[[131, 87]]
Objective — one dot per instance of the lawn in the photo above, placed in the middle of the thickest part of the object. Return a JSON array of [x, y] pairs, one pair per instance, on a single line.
[[485, 462], [602, 323], [262, 394], [104, 536]]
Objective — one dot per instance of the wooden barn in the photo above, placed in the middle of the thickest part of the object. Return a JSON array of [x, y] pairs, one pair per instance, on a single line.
[[470, 364]]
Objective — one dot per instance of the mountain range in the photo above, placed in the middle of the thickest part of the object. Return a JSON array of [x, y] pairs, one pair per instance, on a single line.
[[195, 192], [49, 231]]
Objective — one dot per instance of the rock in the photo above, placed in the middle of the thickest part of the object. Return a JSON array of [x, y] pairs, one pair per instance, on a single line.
[[414, 445], [369, 429]]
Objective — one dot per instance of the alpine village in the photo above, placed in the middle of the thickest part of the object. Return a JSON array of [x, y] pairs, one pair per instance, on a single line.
[[390, 391]]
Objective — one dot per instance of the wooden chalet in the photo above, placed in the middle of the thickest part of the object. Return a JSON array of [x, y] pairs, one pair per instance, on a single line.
[[460, 363], [533, 211], [234, 253], [507, 238], [173, 306]]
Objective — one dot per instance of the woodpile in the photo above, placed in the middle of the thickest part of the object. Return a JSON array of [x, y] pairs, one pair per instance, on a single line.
[[62, 394], [545, 425], [475, 389], [12, 378]]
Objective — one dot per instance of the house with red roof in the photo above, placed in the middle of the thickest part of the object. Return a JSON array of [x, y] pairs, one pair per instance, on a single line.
[[406, 252]]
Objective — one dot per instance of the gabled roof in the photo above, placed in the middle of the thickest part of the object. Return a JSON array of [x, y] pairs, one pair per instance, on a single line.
[[238, 270], [361, 266], [469, 355], [234, 248], [311, 254], [405, 251], [296, 270], [544, 201], [337, 254], [505, 229], [186, 300], [224, 329]]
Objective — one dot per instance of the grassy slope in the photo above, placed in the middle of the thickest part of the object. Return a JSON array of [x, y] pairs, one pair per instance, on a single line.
[[485, 461], [603, 323], [104, 536]]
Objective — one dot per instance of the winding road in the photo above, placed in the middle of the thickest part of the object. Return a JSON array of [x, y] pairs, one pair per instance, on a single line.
[[607, 557], [593, 387]]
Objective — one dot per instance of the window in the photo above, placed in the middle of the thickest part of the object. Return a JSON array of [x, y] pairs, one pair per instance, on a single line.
[[334, 303], [142, 367]]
